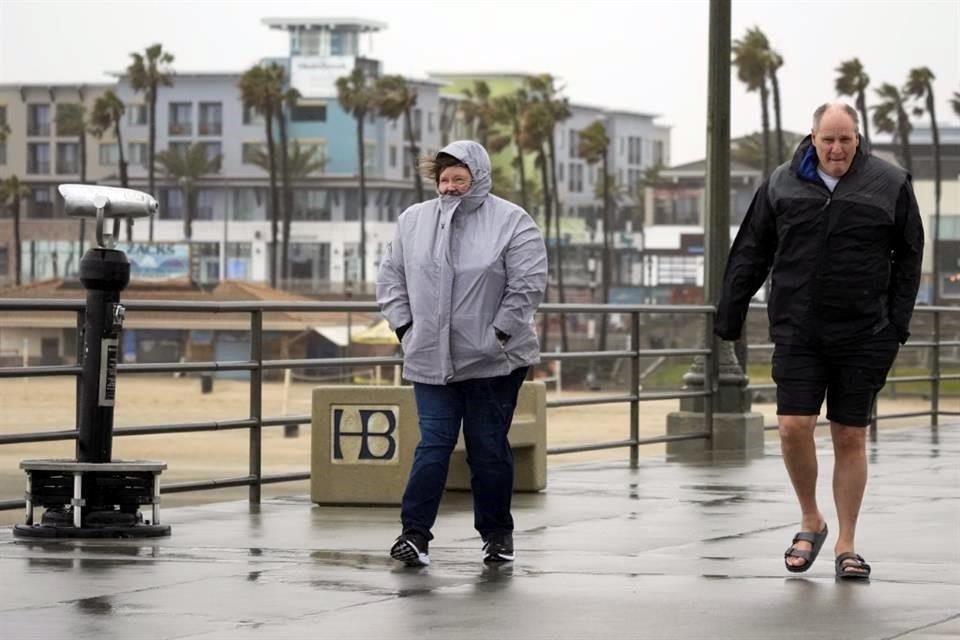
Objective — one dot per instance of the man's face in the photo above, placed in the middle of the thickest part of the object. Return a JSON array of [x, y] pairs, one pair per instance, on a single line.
[[836, 142], [454, 181]]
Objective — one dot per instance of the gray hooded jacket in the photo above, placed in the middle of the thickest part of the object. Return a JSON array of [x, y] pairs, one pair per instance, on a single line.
[[459, 268]]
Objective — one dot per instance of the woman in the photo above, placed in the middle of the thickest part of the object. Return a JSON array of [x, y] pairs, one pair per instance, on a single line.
[[460, 285]]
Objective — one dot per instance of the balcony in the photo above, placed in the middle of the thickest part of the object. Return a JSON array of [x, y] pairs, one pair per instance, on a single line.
[[214, 128], [180, 129]]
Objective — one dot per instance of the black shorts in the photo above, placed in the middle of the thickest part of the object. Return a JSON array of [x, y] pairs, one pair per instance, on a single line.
[[850, 375]]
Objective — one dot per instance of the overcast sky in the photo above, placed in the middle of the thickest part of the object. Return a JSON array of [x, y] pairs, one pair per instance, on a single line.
[[648, 56]]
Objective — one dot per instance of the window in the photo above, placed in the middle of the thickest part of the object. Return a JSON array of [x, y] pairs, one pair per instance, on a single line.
[[560, 177], [137, 154], [4, 261], [309, 113], [251, 117], [137, 115], [634, 150], [430, 126], [211, 119], [310, 262], [247, 204], [250, 151], [416, 120], [311, 204], [171, 204], [393, 157], [179, 148], [213, 150], [38, 120], [181, 119], [238, 260], [38, 158], [41, 204], [206, 259], [574, 143], [68, 157], [658, 154], [575, 178], [203, 205], [67, 128], [109, 153]]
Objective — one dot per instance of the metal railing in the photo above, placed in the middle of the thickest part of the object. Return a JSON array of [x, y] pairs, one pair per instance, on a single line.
[[256, 365]]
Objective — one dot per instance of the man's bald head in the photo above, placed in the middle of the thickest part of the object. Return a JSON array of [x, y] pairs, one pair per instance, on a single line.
[[835, 137]]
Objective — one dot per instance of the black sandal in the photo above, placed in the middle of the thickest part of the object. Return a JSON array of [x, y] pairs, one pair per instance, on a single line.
[[815, 539], [852, 566]]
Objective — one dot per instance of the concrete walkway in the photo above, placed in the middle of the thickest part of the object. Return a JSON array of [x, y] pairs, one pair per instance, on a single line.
[[668, 550]]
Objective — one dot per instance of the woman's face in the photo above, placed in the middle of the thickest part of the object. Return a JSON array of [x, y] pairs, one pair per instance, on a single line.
[[454, 181]]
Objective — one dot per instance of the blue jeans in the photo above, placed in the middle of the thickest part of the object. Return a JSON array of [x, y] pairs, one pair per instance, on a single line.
[[485, 406]]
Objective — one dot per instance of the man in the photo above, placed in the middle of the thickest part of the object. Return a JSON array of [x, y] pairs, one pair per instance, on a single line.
[[841, 232], [460, 285]]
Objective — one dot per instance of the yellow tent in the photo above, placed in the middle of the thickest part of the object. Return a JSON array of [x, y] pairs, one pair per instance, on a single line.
[[379, 333]]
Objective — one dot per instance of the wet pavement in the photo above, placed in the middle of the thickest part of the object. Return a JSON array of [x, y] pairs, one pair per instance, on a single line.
[[668, 550]]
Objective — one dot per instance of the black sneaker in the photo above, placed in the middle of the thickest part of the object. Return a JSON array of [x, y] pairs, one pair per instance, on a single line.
[[498, 548], [412, 549]]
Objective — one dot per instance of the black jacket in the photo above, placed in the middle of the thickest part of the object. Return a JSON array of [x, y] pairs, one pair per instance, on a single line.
[[845, 265]]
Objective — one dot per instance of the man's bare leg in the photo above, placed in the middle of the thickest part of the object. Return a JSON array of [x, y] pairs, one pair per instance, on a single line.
[[800, 457], [849, 480]]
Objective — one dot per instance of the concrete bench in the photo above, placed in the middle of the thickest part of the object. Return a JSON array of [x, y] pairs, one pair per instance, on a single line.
[[364, 437], [528, 439]]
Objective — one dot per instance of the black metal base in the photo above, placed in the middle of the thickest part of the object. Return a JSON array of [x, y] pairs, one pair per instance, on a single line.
[[48, 531]]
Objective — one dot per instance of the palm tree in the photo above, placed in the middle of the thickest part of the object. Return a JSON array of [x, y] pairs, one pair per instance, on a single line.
[[774, 62], [448, 116], [187, 167], [509, 110], [751, 57], [395, 98], [71, 121], [890, 116], [258, 91], [358, 97], [286, 101], [12, 191], [748, 150], [107, 113], [595, 148], [955, 103], [303, 161], [537, 126], [148, 72], [555, 109], [853, 81], [920, 87], [478, 111]]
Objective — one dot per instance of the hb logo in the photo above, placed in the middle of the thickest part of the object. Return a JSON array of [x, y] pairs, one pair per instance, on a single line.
[[364, 434]]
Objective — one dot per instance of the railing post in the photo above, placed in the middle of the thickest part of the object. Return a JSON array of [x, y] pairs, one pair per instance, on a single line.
[[635, 388], [256, 404], [935, 372], [711, 373]]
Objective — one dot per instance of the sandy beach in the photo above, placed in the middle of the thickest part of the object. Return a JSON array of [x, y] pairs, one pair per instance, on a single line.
[[43, 404]]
